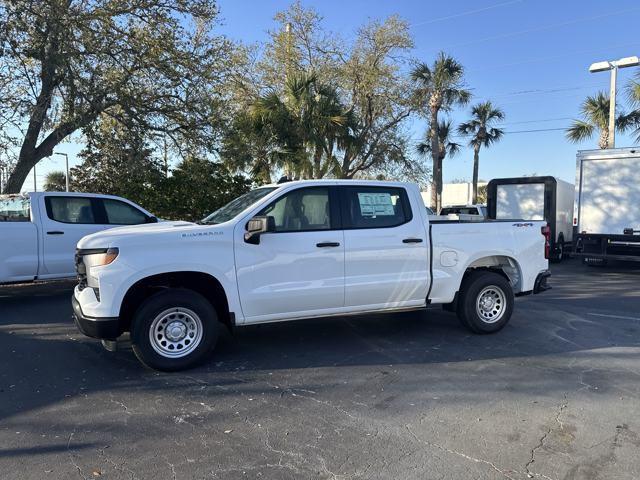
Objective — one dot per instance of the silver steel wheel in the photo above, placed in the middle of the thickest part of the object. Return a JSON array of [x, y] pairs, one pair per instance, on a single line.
[[176, 332], [491, 304]]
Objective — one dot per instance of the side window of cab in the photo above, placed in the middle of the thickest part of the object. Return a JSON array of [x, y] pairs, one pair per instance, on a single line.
[[301, 210], [375, 207]]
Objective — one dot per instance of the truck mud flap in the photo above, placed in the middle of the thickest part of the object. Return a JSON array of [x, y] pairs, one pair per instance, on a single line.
[[541, 285]]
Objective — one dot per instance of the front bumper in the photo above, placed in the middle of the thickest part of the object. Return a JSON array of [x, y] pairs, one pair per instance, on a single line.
[[107, 328]]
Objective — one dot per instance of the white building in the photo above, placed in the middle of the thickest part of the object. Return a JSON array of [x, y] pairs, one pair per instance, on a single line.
[[453, 193]]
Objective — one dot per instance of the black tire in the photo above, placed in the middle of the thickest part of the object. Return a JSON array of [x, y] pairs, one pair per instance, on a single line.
[[195, 330], [494, 288], [558, 251]]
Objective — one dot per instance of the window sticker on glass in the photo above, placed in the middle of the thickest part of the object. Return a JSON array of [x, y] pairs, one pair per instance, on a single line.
[[375, 204]]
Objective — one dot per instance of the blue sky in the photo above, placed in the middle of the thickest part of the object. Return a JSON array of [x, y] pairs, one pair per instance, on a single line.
[[529, 57]]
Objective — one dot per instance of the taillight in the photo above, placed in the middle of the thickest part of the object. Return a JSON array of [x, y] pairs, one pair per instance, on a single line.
[[546, 232]]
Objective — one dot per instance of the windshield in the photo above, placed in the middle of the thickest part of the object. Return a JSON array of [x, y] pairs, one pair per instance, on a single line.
[[237, 205]]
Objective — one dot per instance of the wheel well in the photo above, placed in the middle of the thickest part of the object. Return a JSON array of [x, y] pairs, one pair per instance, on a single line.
[[203, 283], [503, 265]]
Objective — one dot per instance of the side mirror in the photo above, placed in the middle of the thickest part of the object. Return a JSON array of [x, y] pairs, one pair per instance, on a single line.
[[152, 219], [256, 227]]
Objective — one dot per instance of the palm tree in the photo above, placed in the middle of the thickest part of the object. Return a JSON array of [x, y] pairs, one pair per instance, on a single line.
[[55, 182], [439, 87], [632, 119], [595, 114], [445, 145], [308, 121], [482, 134]]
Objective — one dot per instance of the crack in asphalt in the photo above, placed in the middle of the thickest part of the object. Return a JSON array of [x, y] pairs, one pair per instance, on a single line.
[[173, 469], [540, 443], [118, 467], [71, 459], [501, 471]]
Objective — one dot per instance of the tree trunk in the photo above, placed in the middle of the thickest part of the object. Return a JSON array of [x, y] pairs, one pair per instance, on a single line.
[[436, 184], [476, 164], [603, 142], [439, 184], [19, 174], [317, 161]]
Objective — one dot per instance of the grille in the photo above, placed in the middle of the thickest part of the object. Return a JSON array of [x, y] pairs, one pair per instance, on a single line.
[[81, 271]]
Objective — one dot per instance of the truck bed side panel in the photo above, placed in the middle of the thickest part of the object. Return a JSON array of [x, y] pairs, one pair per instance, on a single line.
[[459, 246]]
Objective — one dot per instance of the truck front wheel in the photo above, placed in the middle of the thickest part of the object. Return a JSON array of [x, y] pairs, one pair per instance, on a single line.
[[485, 302], [174, 329]]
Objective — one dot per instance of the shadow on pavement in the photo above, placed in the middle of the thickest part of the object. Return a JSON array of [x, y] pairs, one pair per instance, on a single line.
[[44, 360]]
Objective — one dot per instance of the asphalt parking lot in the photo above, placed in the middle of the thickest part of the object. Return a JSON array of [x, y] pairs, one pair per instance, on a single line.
[[555, 395]]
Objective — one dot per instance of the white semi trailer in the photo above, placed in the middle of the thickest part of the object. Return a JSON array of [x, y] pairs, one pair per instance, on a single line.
[[606, 216], [535, 198]]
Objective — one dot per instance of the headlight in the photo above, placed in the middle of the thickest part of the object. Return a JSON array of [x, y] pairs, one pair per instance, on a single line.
[[102, 258], [99, 259]]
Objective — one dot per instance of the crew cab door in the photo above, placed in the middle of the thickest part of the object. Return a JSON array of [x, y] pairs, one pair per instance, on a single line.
[[18, 240], [65, 220], [386, 248], [297, 270]]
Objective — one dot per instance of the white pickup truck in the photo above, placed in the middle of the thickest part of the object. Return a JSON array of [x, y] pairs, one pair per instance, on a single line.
[[298, 250], [39, 231]]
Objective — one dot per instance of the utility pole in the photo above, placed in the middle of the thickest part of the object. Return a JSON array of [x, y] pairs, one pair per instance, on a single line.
[[613, 67], [66, 177], [166, 158], [287, 65], [288, 170], [35, 185]]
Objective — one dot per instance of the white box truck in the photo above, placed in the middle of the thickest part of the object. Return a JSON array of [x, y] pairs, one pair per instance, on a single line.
[[535, 198], [606, 216]]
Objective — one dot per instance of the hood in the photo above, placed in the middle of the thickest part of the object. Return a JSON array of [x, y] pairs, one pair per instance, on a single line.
[[116, 236]]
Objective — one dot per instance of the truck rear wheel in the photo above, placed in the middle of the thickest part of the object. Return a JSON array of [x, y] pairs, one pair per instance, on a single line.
[[558, 250], [174, 329], [485, 302]]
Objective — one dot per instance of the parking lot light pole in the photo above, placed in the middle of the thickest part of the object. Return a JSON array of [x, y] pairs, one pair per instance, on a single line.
[[613, 67], [66, 177]]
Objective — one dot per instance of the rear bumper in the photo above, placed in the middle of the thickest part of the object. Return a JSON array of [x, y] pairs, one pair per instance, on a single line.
[[600, 247], [540, 285], [103, 328]]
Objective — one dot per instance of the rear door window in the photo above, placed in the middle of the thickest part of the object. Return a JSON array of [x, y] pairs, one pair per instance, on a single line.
[[79, 210], [15, 208], [121, 213], [375, 207]]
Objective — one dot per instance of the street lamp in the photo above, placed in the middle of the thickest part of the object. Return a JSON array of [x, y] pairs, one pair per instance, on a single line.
[[66, 178], [613, 66]]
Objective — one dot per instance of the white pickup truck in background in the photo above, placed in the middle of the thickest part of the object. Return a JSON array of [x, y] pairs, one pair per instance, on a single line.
[[298, 250], [39, 231]]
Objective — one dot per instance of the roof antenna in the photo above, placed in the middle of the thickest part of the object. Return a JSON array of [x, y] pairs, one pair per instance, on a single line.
[[284, 179]]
